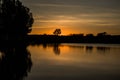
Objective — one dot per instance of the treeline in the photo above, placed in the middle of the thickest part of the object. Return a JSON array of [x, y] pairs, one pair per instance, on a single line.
[[114, 39], [38, 39]]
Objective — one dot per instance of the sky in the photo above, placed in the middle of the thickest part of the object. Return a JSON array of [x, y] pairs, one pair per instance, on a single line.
[[75, 16]]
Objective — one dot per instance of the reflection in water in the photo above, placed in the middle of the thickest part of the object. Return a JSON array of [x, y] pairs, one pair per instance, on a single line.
[[44, 46], [88, 49], [79, 47], [74, 62], [15, 61], [56, 49], [103, 49]]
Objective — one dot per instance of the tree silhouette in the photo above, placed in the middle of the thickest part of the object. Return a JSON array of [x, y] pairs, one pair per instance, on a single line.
[[57, 32], [102, 34], [15, 18]]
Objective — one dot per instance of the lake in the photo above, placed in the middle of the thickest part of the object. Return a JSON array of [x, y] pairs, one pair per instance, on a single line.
[[74, 62]]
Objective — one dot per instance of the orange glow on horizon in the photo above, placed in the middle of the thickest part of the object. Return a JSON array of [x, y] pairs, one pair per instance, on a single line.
[[70, 25], [50, 31], [65, 31]]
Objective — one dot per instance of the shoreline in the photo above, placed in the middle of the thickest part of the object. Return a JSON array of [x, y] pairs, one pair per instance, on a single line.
[[39, 39]]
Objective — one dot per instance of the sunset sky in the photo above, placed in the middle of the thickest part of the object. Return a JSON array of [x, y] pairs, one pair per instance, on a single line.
[[75, 16]]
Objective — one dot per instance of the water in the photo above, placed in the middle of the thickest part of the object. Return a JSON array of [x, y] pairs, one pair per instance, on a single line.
[[60, 62], [75, 62]]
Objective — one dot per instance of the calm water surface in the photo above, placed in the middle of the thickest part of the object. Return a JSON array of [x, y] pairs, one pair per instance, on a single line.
[[75, 62]]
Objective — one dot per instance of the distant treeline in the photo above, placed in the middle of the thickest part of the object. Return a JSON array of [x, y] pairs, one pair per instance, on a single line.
[[73, 38], [115, 39]]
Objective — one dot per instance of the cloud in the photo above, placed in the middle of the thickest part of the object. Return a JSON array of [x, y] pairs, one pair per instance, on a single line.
[[100, 3], [92, 14]]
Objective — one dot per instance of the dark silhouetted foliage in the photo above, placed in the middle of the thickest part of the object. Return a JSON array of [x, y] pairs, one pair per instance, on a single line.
[[57, 32], [15, 18], [114, 39]]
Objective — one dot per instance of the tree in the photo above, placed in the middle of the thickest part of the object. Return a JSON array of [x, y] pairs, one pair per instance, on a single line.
[[15, 18], [57, 32], [102, 34]]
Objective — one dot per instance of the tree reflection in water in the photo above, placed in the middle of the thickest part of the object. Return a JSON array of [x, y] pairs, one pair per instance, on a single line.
[[55, 46], [56, 49], [88, 49], [15, 61]]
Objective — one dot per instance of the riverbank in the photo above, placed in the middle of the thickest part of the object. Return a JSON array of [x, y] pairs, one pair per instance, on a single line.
[[38, 39], [73, 39]]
